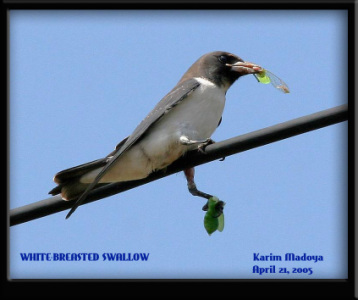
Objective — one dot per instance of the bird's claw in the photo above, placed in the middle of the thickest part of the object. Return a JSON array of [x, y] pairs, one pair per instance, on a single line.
[[202, 146], [219, 208]]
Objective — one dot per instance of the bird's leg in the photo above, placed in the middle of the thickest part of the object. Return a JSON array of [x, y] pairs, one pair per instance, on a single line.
[[201, 147], [189, 174], [184, 140]]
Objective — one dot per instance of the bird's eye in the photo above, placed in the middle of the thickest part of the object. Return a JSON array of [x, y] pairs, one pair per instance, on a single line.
[[223, 59]]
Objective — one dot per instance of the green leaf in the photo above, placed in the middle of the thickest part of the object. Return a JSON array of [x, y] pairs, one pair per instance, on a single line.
[[214, 217], [221, 222], [210, 223]]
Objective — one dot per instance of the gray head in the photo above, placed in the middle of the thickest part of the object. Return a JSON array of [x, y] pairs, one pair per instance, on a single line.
[[220, 67]]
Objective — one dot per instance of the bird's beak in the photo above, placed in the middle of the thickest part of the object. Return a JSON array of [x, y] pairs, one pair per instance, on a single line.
[[245, 67]]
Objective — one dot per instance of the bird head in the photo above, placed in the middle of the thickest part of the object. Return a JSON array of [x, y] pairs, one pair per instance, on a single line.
[[222, 68]]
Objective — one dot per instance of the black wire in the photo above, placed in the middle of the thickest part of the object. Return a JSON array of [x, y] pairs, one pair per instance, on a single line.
[[194, 158]]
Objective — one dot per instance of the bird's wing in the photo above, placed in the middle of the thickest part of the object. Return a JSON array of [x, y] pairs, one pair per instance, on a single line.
[[172, 99]]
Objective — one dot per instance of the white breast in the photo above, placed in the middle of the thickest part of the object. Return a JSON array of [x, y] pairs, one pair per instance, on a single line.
[[196, 117]]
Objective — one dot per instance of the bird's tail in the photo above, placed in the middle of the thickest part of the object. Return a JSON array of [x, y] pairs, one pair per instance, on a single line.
[[69, 185]]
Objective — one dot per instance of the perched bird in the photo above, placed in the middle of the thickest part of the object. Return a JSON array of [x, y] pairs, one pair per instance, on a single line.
[[183, 120]]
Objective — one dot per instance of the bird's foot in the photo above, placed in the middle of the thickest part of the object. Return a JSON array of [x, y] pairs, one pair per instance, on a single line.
[[202, 146], [184, 140], [195, 192], [219, 208]]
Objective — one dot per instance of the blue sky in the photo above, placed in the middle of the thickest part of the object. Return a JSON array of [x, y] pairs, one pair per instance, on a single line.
[[80, 81]]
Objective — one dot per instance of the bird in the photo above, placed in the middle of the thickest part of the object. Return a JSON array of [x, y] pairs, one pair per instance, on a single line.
[[184, 120]]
